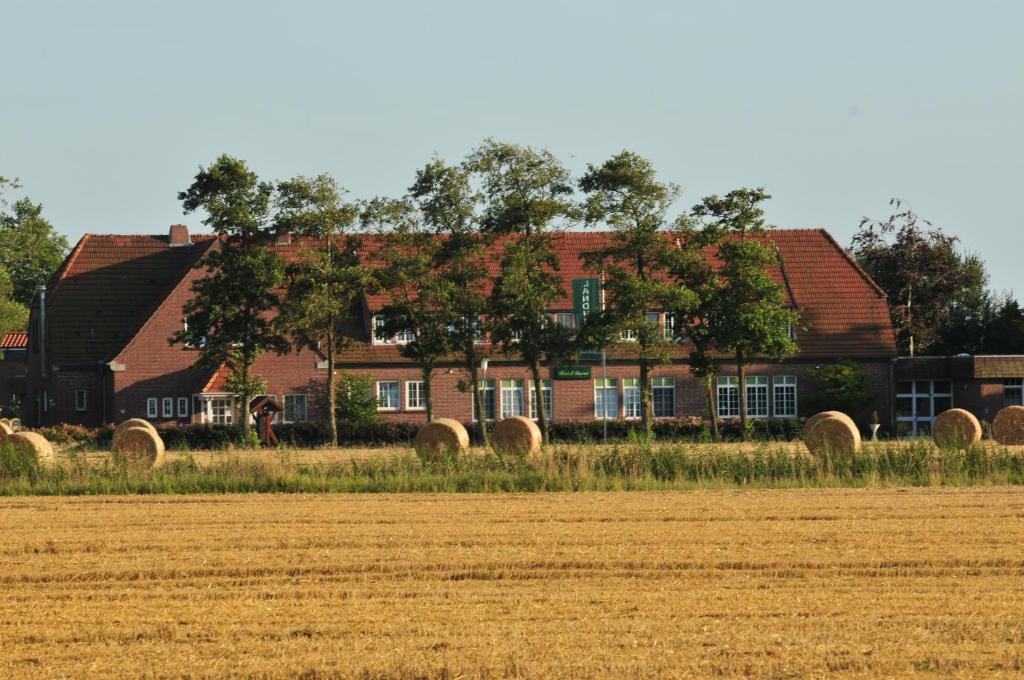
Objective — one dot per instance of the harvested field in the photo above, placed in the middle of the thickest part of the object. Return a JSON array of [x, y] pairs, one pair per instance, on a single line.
[[878, 582]]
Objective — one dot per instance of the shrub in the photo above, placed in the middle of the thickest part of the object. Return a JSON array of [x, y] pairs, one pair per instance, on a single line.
[[843, 386], [355, 402]]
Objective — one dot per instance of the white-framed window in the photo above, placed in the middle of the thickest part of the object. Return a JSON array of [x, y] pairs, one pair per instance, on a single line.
[[389, 395], [784, 387], [546, 395], [379, 322], [152, 407], [1013, 392], [512, 398], [669, 327], [81, 400], [606, 398], [628, 335], [630, 398], [415, 396], [728, 396], [567, 319], [917, 404], [295, 408], [757, 396], [663, 397], [404, 337], [487, 394], [183, 407], [222, 410], [784, 396], [167, 407]]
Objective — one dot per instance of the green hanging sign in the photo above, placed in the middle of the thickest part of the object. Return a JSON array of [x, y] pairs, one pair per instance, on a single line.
[[586, 299]]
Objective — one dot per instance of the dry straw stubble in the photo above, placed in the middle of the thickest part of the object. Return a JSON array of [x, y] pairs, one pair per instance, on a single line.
[[956, 429], [5, 430], [1008, 426], [516, 435], [441, 436], [34, 443], [833, 434], [140, 447]]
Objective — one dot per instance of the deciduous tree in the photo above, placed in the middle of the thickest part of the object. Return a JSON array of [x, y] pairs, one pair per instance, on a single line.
[[528, 199], [326, 281], [418, 309], [625, 194], [748, 317], [229, 317]]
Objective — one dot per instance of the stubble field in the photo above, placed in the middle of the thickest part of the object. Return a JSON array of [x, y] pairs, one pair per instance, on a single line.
[[795, 583]]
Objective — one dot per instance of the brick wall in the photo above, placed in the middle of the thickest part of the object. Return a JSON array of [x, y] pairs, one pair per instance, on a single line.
[[573, 400]]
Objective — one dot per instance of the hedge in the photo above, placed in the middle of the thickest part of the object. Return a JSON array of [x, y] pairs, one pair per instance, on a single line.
[[381, 433]]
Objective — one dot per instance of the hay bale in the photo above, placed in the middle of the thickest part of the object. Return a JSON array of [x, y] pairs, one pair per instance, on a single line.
[[833, 434], [516, 435], [1008, 427], [132, 422], [817, 417], [5, 430], [140, 447], [34, 443], [956, 429], [441, 436]]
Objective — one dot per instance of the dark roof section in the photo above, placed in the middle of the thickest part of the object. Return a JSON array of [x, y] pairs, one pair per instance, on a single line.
[[107, 289]]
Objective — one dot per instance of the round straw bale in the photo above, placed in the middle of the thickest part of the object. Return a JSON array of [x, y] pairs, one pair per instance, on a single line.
[[833, 434], [140, 447], [34, 443], [517, 435], [133, 422], [5, 430], [1008, 427], [441, 436], [956, 428], [813, 420]]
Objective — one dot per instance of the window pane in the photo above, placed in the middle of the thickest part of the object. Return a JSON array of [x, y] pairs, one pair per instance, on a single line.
[[943, 404], [545, 395], [904, 407], [630, 398], [663, 397], [511, 398], [904, 387], [942, 387], [924, 407]]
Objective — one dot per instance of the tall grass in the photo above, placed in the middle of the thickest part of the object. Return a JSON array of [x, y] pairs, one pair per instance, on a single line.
[[635, 466]]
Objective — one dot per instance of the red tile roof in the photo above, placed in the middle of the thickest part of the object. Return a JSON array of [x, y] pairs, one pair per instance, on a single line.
[[110, 285], [14, 340], [107, 288]]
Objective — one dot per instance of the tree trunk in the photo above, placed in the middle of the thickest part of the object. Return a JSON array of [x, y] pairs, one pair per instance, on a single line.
[[709, 387], [645, 399], [428, 372], [741, 373], [538, 397], [243, 421], [332, 391]]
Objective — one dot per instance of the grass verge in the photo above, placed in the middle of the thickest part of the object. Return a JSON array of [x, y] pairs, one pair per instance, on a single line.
[[621, 467]]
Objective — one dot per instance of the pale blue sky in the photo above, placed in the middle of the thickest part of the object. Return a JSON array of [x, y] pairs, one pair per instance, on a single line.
[[108, 108]]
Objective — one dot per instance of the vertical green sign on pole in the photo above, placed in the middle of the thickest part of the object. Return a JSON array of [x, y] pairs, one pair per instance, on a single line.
[[586, 299]]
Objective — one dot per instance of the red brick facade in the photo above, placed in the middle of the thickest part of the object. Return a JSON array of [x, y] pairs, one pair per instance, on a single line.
[[115, 302]]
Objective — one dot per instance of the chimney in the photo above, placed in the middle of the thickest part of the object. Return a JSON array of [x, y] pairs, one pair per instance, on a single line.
[[284, 238], [178, 235]]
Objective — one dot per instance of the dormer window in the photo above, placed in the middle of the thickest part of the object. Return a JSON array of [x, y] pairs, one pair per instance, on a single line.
[[404, 337]]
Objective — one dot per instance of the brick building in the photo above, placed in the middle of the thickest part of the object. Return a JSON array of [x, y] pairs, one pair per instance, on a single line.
[[927, 386], [13, 348], [99, 348]]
